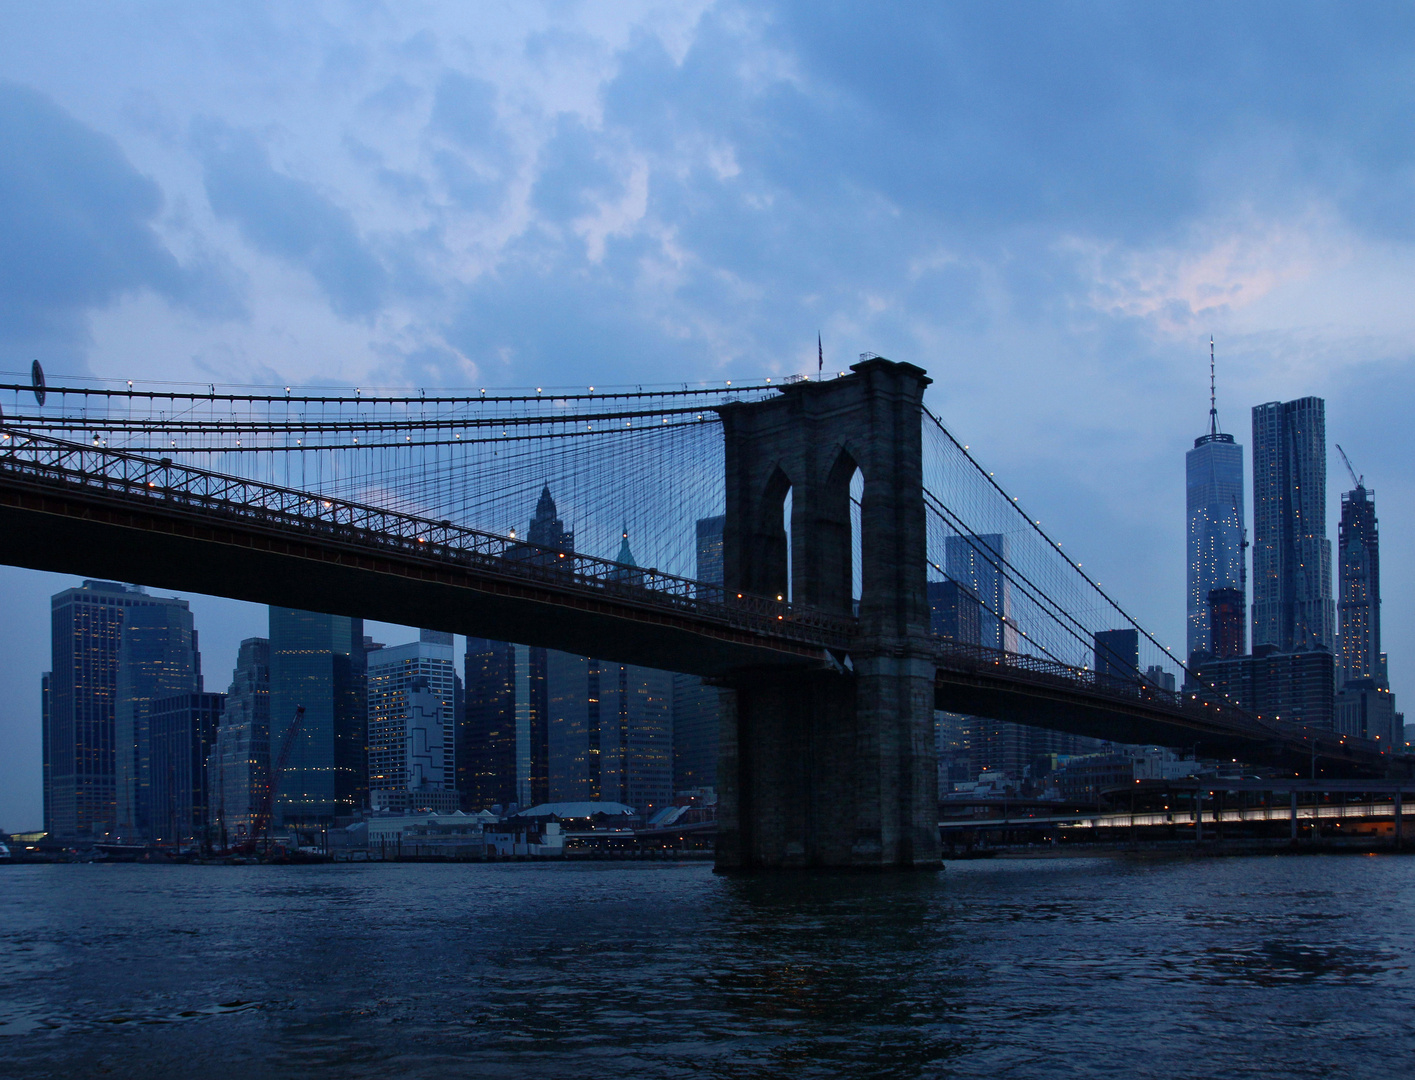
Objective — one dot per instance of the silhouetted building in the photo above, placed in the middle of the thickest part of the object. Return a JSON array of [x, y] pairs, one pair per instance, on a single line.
[[1291, 687], [1213, 473], [1366, 708], [181, 732], [697, 708], [80, 736], [502, 744], [1358, 546], [1293, 609], [697, 715], [486, 741], [504, 755], [157, 658], [547, 536], [980, 564], [1117, 657], [611, 732], [954, 612], [239, 766], [44, 681], [1160, 679], [709, 549], [318, 661], [1228, 618]]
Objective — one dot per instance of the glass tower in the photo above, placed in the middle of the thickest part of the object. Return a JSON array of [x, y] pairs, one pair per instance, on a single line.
[[157, 658], [81, 738], [1360, 609], [318, 661], [980, 563], [1292, 596], [1213, 473]]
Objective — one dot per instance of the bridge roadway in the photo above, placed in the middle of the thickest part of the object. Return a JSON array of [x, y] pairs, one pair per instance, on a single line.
[[74, 509]]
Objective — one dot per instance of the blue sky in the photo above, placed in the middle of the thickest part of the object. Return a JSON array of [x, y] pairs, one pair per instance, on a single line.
[[1050, 207]]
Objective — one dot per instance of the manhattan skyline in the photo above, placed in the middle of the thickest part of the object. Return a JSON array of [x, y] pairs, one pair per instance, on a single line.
[[396, 203]]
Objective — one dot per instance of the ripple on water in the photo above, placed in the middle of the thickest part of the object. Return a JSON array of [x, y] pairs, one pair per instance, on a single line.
[[1015, 968]]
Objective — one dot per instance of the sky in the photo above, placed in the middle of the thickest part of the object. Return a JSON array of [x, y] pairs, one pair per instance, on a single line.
[[1051, 207]]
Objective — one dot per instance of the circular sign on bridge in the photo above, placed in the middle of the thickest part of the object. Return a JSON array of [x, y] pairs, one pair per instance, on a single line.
[[36, 378]]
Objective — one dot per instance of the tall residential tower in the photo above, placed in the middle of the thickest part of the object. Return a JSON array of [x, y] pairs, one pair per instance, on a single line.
[[1292, 598], [1360, 609]]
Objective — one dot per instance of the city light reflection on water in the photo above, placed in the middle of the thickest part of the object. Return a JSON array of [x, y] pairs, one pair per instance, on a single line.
[[1252, 967]]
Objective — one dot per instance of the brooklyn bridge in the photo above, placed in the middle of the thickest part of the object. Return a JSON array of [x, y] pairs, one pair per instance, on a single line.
[[851, 516]]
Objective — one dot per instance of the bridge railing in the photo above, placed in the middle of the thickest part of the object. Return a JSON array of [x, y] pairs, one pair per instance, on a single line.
[[959, 656], [127, 477]]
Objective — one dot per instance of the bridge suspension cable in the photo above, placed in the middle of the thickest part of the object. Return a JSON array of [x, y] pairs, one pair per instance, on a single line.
[[1056, 607]]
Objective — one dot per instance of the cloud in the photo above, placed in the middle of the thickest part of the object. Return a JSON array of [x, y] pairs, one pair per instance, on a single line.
[[289, 219], [77, 232]]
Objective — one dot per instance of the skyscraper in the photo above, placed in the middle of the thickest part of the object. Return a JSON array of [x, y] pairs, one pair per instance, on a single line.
[[709, 549], [239, 766], [980, 564], [181, 732], [1117, 657], [318, 661], [1292, 597], [611, 732], [157, 658], [1358, 547], [494, 744], [954, 612], [697, 708], [411, 719], [1213, 472], [81, 736]]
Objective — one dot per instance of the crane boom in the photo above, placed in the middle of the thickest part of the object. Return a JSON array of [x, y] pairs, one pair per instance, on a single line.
[[261, 821], [1359, 481]]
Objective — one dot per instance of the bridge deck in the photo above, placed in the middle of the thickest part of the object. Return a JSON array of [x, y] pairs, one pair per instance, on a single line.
[[68, 508]]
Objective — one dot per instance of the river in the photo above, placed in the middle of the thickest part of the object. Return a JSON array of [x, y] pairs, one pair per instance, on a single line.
[[1075, 967]]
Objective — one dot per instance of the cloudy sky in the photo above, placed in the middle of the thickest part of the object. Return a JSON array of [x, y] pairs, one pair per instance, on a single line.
[[1049, 207]]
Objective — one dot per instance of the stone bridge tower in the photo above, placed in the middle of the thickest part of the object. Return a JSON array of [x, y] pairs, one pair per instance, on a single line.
[[836, 766]]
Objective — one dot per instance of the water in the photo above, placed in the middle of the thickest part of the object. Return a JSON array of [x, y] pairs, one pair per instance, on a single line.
[[1289, 967]]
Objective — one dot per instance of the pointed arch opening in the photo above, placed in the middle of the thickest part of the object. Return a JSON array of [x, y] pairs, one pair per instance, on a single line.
[[773, 538], [841, 549]]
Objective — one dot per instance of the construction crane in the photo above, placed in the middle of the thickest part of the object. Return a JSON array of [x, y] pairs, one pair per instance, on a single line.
[[260, 823], [1359, 481]]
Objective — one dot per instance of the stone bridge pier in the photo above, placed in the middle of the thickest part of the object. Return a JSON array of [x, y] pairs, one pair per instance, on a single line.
[[833, 767]]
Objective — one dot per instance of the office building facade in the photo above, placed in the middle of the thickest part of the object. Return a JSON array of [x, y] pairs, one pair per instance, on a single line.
[[318, 661], [1292, 610], [610, 732], [1291, 687], [181, 734], [157, 658], [1117, 658], [411, 719], [698, 708], [954, 612], [239, 766], [80, 738], [980, 564], [1358, 547], [503, 749]]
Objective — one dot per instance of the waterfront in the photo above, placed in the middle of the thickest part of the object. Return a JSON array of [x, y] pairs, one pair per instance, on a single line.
[[1071, 967]]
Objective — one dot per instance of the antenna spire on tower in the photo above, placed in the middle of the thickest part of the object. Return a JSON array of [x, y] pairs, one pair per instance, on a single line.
[[1213, 406]]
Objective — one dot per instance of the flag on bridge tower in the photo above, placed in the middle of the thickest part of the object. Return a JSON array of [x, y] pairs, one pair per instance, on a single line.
[[820, 358]]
